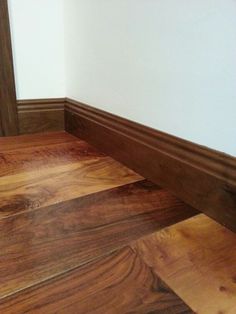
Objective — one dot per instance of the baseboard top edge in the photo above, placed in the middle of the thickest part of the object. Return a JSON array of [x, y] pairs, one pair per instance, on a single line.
[[40, 101], [40, 104]]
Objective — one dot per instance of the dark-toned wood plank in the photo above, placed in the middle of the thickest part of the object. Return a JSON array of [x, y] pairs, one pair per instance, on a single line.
[[197, 259], [203, 178], [38, 245], [34, 189], [40, 115], [1, 127], [8, 110], [35, 140], [114, 204], [41, 121], [47, 156], [118, 283]]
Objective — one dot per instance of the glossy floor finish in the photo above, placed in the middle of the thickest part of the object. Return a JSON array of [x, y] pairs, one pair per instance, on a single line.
[[197, 258], [81, 233]]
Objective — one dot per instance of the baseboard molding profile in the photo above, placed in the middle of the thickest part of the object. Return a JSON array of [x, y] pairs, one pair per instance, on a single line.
[[201, 177], [40, 115]]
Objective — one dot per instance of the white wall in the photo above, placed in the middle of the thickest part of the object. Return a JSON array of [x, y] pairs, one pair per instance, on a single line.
[[169, 64], [38, 46]]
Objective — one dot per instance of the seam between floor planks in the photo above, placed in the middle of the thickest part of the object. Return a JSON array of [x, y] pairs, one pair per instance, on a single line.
[[52, 281]]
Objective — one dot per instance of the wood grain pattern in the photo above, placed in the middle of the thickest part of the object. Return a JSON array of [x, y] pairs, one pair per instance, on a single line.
[[103, 286], [31, 158], [35, 140], [41, 244], [52, 185], [34, 175], [8, 110], [46, 174], [203, 178], [40, 115], [98, 248], [197, 259]]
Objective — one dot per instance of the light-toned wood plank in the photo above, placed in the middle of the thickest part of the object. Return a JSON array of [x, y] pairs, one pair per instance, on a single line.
[[197, 259], [118, 283]]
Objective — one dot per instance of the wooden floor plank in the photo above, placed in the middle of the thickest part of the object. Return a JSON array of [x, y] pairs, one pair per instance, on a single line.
[[43, 187], [41, 139], [43, 243], [37, 157], [118, 283], [197, 259]]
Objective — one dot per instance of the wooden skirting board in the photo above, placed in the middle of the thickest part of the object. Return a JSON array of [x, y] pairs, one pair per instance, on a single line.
[[40, 115], [203, 178]]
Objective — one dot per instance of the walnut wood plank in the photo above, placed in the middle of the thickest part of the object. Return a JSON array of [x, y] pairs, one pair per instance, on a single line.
[[103, 286], [47, 156], [26, 141], [197, 259], [34, 189], [35, 172], [39, 245]]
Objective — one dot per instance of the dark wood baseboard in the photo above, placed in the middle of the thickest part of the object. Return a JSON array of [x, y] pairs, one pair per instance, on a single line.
[[40, 115], [203, 178]]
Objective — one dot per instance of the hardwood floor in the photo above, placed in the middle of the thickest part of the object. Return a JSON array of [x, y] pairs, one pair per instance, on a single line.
[[197, 258], [118, 283], [38, 176], [81, 233]]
